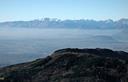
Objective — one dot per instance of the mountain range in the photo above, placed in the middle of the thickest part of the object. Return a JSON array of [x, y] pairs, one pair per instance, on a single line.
[[56, 23]]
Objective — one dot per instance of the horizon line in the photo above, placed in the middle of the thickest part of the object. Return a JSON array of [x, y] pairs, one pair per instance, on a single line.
[[40, 19]]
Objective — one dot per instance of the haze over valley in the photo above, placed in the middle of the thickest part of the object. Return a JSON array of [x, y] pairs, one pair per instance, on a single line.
[[20, 42], [63, 40]]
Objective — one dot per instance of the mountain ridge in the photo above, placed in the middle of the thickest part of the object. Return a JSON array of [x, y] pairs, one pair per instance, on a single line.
[[56, 23]]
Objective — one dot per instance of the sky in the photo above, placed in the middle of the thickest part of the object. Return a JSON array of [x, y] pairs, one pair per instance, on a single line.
[[16, 10]]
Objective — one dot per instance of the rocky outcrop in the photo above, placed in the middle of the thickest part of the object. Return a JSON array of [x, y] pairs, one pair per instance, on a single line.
[[71, 65]]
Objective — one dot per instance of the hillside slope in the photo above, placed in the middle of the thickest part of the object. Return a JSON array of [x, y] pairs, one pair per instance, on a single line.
[[71, 65]]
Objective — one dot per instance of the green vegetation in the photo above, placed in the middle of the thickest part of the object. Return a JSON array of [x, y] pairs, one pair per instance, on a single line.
[[71, 65]]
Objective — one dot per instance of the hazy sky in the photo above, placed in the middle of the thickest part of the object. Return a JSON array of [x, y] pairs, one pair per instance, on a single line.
[[11, 10]]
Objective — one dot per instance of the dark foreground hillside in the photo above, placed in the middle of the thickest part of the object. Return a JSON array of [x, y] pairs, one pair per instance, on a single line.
[[71, 65]]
